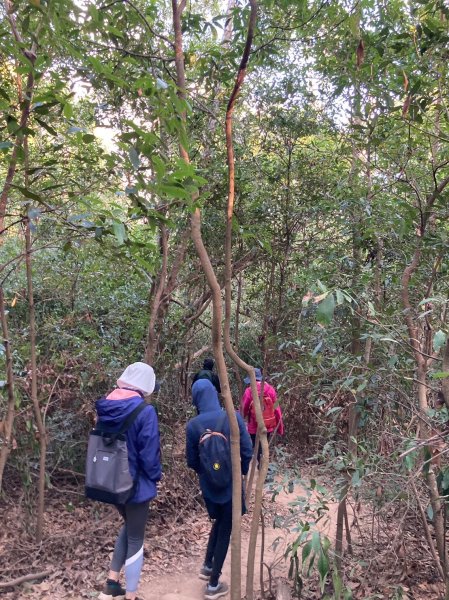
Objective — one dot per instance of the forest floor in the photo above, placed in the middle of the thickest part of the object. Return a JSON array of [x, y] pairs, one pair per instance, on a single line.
[[185, 585], [389, 561]]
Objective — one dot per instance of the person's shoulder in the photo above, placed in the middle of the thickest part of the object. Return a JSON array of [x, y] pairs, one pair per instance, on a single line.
[[147, 413], [149, 409]]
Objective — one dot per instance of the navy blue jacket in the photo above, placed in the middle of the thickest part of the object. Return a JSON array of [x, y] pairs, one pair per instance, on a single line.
[[142, 438], [205, 399]]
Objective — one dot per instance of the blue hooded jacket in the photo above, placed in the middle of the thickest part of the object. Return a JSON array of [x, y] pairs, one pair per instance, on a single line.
[[205, 399], [142, 438]]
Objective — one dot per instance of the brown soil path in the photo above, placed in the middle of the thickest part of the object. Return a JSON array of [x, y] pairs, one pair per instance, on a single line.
[[184, 584]]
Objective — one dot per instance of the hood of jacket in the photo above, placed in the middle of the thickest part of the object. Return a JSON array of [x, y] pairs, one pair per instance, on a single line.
[[113, 412], [205, 396]]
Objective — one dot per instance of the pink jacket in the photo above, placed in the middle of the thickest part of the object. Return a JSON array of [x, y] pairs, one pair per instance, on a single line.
[[247, 399]]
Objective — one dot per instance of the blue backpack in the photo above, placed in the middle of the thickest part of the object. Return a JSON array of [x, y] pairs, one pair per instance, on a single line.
[[215, 455]]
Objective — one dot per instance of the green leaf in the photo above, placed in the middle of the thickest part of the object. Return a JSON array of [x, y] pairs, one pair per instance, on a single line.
[[316, 544], [307, 548], [173, 191], [426, 300], [158, 166], [27, 193], [47, 127], [356, 481], [67, 111], [439, 375], [114, 31], [354, 24], [88, 137], [6, 145], [119, 232], [134, 157], [340, 297], [439, 340], [430, 512], [323, 569], [325, 310]]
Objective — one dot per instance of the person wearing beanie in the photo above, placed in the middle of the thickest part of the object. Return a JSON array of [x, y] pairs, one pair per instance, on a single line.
[[207, 372], [142, 439]]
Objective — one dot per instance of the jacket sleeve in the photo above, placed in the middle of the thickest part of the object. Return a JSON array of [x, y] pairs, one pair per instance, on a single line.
[[246, 447], [148, 445], [192, 451]]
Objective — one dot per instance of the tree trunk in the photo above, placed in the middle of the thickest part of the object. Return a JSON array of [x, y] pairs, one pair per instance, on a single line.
[[152, 337], [29, 57], [8, 421], [160, 295], [34, 398], [445, 369], [216, 332], [236, 546]]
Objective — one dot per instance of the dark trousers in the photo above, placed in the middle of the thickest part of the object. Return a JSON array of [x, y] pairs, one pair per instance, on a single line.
[[259, 451], [219, 537]]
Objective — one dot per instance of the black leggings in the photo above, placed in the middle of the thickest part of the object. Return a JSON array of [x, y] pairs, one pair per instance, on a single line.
[[128, 549], [219, 537]]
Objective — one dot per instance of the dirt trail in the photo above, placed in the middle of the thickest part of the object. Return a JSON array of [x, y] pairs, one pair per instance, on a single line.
[[185, 584]]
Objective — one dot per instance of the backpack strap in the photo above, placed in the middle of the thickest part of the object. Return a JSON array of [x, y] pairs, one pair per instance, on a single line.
[[221, 421], [131, 418], [218, 429]]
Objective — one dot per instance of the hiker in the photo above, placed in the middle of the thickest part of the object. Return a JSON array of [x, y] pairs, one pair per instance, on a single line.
[[207, 372], [272, 414], [142, 439], [217, 494]]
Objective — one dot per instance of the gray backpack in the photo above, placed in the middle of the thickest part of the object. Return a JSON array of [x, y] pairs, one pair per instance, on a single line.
[[107, 470]]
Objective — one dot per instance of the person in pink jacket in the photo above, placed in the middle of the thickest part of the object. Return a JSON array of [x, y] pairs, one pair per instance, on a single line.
[[272, 414]]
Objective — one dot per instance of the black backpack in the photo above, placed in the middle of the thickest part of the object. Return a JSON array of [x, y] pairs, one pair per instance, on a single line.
[[107, 469], [215, 455]]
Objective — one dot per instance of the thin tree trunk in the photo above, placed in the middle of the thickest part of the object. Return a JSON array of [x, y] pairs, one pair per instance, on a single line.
[[236, 568], [34, 398], [427, 530], [216, 331], [166, 283], [30, 57], [262, 553], [33, 360], [152, 337], [8, 421], [265, 458], [445, 369], [236, 334], [422, 362]]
